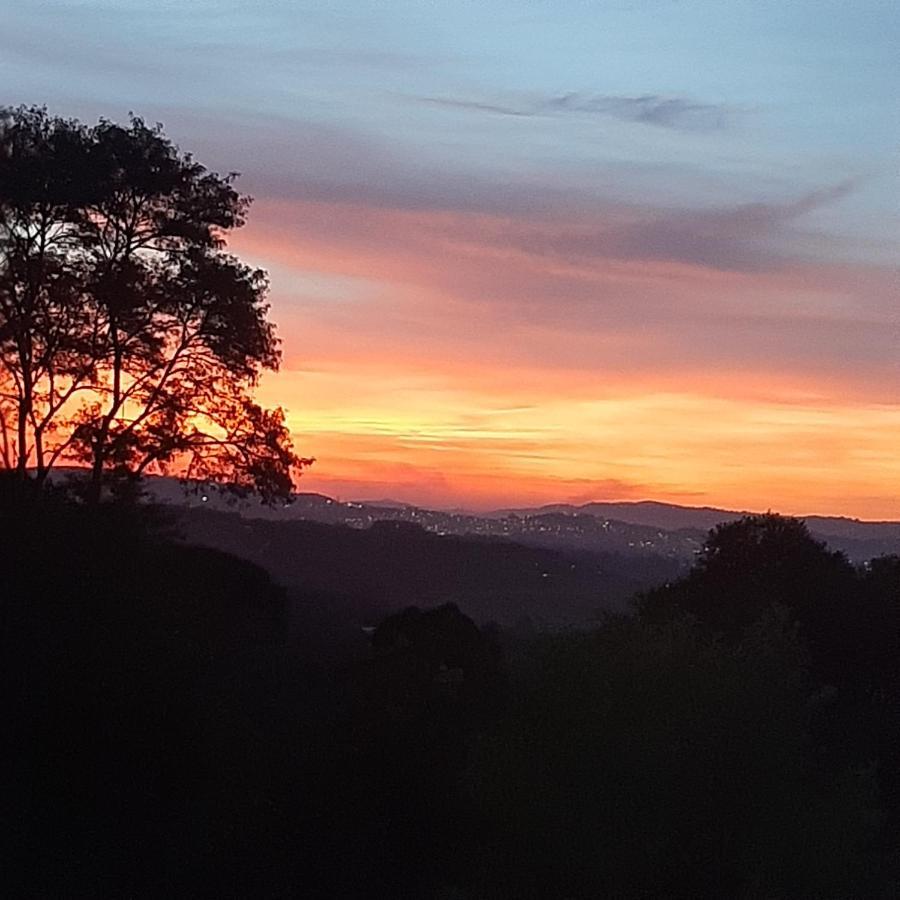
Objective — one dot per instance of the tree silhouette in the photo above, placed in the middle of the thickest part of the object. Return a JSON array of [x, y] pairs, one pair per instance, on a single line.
[[752, 564], [130, 340]]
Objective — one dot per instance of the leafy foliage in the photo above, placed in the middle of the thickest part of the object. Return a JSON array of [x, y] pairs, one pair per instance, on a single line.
[[750, 564], [130, 340]]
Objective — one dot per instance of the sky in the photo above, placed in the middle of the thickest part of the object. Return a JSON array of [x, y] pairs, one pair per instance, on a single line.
[[530, 252]]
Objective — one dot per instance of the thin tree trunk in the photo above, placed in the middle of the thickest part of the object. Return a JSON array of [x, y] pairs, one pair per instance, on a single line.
[[25, 406], [95, 487]]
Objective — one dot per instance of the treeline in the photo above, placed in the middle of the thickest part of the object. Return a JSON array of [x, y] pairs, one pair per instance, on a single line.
[[736, 737]]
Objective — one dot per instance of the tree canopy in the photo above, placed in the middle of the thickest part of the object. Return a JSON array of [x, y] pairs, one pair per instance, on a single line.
[[130, 339], [751, 564]]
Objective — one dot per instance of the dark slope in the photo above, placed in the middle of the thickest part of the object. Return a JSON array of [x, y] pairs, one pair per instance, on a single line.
[[367, 572]]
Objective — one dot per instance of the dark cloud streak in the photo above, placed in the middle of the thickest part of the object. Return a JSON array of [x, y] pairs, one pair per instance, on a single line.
[[474, 105], [675, 113], [648, 109]]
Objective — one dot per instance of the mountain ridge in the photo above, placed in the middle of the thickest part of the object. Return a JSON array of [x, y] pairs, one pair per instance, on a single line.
[[631, 527]]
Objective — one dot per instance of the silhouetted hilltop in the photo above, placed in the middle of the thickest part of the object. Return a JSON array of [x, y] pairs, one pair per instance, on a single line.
[[639, 529], [649, 513], [860, 540], [628, 529]]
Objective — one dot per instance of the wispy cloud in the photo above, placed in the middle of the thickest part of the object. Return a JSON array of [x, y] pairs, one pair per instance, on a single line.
[[622, 291], [676, 113], [648, 109], [746, 237], [475, 106]]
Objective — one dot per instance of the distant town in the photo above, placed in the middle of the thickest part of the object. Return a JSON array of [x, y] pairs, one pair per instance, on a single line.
[[657, 529]]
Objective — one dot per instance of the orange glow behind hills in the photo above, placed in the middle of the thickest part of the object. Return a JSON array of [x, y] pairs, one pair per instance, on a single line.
[[431, 361], [402, 435]]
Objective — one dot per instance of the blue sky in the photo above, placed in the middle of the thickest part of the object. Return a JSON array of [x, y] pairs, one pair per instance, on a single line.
[[762, 97], [672, 199], [817, 79]]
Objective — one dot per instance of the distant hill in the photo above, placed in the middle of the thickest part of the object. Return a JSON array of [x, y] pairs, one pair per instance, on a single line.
[[363, 574], [639, 528], [858, 539], [649, 513]]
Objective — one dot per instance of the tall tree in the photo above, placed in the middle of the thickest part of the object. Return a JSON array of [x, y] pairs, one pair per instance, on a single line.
[[43, 317], [130, 340]]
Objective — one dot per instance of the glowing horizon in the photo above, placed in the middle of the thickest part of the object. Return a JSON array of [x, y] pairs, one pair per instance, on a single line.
[[641, 447], [554, 253]]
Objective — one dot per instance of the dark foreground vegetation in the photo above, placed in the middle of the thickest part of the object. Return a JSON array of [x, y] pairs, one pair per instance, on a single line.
[[739, 736]]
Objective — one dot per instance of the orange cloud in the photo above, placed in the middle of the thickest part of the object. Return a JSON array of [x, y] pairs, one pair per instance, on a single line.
[[431, 359]]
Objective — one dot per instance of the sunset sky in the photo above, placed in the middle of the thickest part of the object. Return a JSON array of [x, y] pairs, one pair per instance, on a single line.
[[526, 251]]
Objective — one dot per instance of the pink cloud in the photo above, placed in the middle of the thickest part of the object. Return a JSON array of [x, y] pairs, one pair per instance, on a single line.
[[459, 286]]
